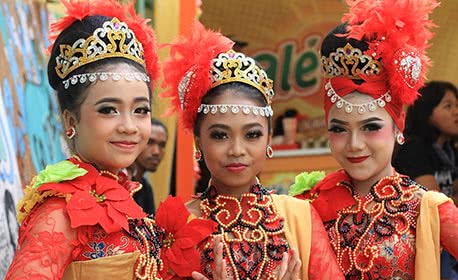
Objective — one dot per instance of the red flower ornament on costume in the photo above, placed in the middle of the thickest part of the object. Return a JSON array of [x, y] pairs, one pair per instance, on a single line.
[[96, 199], [181, 237], [328, 196]]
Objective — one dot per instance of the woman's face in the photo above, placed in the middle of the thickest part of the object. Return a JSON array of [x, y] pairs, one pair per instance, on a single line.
[[233, 145], [362, 143], [114, 123], [445, 115]]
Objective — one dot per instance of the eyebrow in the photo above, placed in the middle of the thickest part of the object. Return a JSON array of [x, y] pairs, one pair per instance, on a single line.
[[337, 121], [223, 126], [119, 101]]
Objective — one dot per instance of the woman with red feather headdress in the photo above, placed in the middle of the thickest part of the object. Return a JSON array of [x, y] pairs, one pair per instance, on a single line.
[[381, 224], [78, 218], [223, 97]]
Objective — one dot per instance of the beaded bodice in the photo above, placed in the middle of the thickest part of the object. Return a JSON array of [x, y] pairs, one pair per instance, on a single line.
[[252, 233], [375, 238]]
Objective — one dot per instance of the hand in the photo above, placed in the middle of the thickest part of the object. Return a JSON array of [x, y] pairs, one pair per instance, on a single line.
[[220, 272], [290, 268]]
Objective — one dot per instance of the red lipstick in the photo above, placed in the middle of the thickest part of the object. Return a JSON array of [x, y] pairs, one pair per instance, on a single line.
[[125, 145], [236, 167], [357, 159]]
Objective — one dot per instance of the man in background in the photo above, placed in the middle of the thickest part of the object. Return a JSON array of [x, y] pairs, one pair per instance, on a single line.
[[149, 160]]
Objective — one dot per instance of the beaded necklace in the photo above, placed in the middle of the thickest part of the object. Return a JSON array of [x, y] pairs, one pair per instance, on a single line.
[[252, 233], [391, 207], [150, 237]]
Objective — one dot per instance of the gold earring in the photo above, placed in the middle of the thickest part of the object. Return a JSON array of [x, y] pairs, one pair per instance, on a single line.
[[269, 151]]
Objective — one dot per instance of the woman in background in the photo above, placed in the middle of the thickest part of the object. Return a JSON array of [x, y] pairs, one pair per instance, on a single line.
[[428, 155]]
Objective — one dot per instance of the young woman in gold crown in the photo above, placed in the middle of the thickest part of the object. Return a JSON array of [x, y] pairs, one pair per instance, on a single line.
[[381, 224], [78, 219], [224, 97]]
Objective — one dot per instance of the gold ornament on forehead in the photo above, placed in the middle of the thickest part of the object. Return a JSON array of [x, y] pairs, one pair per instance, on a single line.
[[121, 43], [350, 62], [233, 66]]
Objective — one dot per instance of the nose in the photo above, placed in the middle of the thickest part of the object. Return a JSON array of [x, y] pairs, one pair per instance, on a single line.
[[455, 110], [155, 149], [128, 125], [355, 142], [237, 148]]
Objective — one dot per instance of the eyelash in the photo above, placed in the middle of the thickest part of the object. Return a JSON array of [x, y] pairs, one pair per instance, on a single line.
[[372, 127], [223, 135], [218, 135], [112, 110], [107, 110], [336, 129], [144, 110], [367, 127], [254, 134]]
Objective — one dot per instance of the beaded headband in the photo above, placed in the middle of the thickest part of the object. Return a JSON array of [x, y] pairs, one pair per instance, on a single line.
[[360, 108], [93, 48], [235, 109], [103, 76]]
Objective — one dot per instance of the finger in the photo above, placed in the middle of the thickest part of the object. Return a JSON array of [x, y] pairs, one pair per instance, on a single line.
[[220, 271], [198, 276], [283, 265], [294, 265], [224, 271]]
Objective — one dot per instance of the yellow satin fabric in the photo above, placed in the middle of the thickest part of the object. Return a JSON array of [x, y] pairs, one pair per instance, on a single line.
[[298, 227], [120, 267], [427, 258]]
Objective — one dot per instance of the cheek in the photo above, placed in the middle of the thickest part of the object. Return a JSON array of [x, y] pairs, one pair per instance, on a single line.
[[384, 135], [337, 140], [145, 129]]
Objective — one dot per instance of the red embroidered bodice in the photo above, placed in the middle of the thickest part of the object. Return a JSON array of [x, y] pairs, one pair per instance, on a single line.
[[254, 238], [252, 230], [84, 218], [374, 237]]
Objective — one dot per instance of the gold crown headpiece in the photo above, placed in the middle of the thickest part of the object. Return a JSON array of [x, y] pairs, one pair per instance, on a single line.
[[233, 66], [121, 43], [350, 62]]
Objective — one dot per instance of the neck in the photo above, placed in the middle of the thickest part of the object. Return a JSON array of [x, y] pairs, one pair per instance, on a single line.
[[82, 159], [442, 139], [364, 186], [138, 172], [235, 191]]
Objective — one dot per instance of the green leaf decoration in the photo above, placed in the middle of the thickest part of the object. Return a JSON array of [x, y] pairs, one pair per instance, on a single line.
[[305, 181], [61, 171]]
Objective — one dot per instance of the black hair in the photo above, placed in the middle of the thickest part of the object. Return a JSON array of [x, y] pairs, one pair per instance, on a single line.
[[418, 123], [157, 122], [242, 89], [70, 99]]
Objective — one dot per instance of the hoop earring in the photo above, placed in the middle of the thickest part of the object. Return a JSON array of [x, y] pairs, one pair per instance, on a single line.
[[197, 154], [400, 138], [70, 133], [269, 151]]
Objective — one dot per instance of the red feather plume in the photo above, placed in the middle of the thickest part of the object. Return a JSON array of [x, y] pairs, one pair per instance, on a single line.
[[391, 27], [194, 53], [79, 9]]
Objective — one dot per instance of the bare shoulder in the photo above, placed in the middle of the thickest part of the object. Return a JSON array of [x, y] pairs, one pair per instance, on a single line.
[[193, 206]]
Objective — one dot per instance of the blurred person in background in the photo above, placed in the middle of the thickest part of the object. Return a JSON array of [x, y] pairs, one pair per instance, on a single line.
[[149, 160], [428, 156]]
